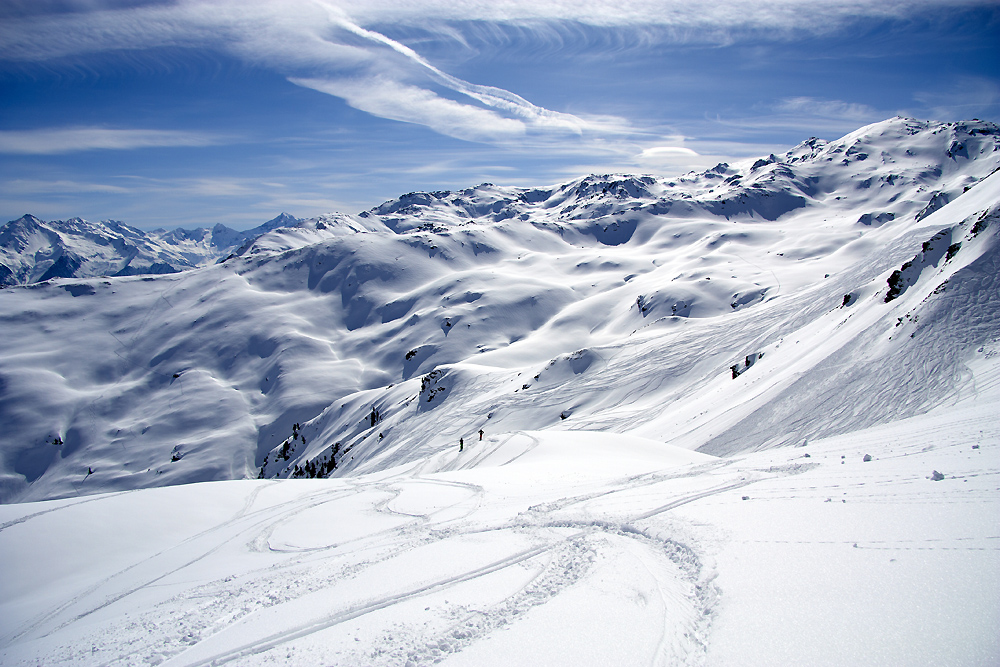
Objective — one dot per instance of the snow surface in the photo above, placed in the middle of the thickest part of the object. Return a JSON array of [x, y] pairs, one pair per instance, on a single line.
[[678, 381], [557, 548]]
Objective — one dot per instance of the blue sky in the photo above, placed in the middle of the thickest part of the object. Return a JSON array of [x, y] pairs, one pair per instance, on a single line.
[[197, 112]]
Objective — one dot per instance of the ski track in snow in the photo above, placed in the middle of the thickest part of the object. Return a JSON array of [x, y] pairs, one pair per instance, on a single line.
[[565, 559], [826, 322], [258, 587]]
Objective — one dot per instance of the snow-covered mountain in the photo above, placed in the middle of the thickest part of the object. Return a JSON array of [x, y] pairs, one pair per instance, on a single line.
[[33, 250], [203, 246], [749, 306], [741, 417]]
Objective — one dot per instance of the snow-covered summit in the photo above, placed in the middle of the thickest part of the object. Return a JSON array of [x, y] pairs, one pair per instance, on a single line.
[[34, 250], [220, 241], [898, 165]]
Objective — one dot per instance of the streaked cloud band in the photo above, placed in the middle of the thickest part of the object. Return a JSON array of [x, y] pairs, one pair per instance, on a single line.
[[342, 49], [54, 141]]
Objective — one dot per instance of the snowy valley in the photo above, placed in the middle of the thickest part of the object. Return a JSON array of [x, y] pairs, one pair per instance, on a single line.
[[743, 416]]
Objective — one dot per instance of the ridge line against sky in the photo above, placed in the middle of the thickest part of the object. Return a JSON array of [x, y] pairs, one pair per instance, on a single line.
[[196, 112]]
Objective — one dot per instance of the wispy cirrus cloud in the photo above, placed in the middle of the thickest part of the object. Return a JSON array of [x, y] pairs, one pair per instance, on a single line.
[[22, 186], [802, 114], [98, 25], [343, 49], [970, 96], [820, 108], [54, 141], [213, 186], [313, 44], [412, 104], [706, 21]]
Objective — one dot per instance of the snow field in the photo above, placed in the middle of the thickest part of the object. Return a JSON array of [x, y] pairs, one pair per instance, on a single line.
[[829, 560], [866, 562], [679, 383]]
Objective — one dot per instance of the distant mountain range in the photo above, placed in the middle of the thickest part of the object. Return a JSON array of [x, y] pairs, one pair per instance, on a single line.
[[836, 286], [34, 250]]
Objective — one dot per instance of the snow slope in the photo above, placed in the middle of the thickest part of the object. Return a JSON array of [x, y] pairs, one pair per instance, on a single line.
[[743, 417], [537, 547], [613, 303], [33, 250]]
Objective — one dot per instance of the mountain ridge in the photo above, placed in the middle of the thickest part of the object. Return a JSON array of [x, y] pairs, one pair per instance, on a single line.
[[742, 307], [34, 250]]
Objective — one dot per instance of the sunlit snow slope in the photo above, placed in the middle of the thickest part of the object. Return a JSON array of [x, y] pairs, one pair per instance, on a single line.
[[839, 286], [537, 548]]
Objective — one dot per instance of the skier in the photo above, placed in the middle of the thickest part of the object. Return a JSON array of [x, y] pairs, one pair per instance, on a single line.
[[480, 435], [461, 444]]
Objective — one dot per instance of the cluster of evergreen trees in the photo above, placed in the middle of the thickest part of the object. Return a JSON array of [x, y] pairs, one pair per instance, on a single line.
[[316, 468], [286, 451]]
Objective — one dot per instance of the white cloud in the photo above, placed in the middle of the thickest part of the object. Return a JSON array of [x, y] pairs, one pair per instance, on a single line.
[[22, 186], [490, 96], [971, 97], [706, 20], [411, 104], [331, 46], [669, 160], [52, 141], [657, 152], [314, 44], [811, 106]]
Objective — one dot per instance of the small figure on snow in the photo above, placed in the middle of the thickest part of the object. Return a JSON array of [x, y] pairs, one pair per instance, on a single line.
[[461, 444], [480, 435]]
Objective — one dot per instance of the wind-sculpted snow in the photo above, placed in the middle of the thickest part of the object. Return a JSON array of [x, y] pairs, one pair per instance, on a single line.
[[736, 309]]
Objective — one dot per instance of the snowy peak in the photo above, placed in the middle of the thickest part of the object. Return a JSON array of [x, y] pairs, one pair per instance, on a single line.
[[33, 250], [287, 233], [219, 241], [899, 164], [281, 220], [894, 170], [428, 211]]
